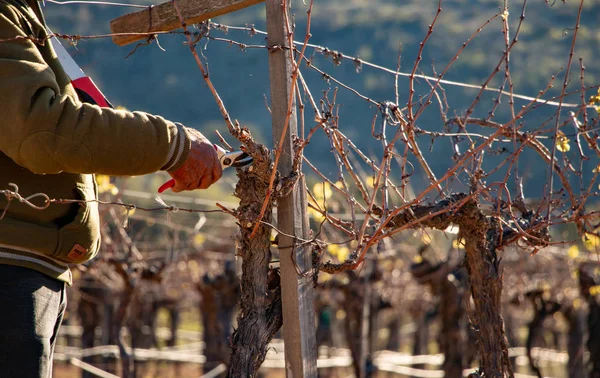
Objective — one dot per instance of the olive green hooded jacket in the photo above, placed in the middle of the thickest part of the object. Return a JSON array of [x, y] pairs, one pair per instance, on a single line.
[[52, 143]]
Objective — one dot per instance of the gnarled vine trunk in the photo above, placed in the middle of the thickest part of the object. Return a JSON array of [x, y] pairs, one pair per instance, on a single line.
[[485, 281], [260, 315], [481, 235]]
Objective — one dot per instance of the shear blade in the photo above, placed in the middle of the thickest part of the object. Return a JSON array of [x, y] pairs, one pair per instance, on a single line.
[[242, 160]]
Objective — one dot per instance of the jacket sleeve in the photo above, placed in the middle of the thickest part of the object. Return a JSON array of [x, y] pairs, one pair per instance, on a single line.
[[47, 131]]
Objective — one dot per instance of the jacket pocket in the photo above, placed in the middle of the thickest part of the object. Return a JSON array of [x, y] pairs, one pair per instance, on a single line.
[[79, 240]]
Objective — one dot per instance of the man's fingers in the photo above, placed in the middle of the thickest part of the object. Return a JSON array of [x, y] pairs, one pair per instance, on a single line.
[[217, 170], [181, 186], [206, 181]]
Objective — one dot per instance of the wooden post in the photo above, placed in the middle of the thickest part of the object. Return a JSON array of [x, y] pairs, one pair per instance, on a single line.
[[297, 294], [164, 18]]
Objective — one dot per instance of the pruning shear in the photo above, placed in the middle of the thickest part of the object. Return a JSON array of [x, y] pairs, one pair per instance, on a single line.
[[235, 159]]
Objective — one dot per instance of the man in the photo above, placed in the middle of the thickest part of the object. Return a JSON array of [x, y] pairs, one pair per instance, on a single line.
[[51, 142]]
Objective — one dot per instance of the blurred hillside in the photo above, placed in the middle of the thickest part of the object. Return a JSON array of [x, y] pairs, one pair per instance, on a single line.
[[169, 83]]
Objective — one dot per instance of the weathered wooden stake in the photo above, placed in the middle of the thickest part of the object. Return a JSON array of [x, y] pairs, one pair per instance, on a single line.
[[164, 18], [299, 330]]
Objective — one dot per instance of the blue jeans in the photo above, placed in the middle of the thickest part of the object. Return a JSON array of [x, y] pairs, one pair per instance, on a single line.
[[32, 306]]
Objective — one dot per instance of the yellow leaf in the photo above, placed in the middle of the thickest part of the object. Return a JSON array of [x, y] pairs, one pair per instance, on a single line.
[[595, 100], [333, 249], [322, 190], [371, 182], [104, 185], [458, 243], [315, 214], [198, 240], [573, 252], [562, 142], [426, 238], [343, 254], [590, 241], [595, 290], [102, 180], [418, 259], [597, 169]]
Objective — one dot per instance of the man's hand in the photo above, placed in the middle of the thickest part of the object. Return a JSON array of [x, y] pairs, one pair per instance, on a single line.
[[202, 167]]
